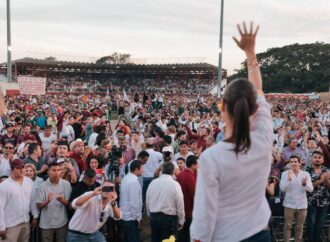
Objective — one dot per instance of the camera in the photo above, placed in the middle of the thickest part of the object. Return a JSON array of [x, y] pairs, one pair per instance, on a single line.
[[114, 155], [108, 189]]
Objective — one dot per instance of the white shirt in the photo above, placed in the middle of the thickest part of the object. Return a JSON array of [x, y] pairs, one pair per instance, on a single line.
[[164, 195], [92, 140], [295, 192], [86, 219], [178, 155], [131, 198], [152, 163], [230, 202], [47, 141], [33, 206], [15, 201], [4, 166]]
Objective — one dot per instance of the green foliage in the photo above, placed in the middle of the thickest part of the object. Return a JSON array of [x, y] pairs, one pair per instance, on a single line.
[[50, 58], [115, 58], [293, 68]]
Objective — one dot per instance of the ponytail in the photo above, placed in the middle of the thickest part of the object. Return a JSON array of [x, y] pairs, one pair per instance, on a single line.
[[240, 101], [241, 126]]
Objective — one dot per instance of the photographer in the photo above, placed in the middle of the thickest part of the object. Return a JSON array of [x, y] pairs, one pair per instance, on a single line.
[[92, 211]]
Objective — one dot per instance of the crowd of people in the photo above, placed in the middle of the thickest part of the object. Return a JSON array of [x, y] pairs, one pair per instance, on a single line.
[[67, 174], [167, 85]]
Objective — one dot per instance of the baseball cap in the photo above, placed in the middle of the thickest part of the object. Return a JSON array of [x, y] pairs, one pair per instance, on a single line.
[[17, 163]]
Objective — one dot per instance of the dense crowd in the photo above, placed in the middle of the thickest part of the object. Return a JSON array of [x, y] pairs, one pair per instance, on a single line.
[[62, 149], [198, 169], [167, 85]]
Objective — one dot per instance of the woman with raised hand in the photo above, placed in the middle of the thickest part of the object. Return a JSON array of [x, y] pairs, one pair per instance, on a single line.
[[230, 203]]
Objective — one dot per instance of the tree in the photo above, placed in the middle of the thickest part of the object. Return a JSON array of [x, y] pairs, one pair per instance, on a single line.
[[50, 58], [115, 58], [293, 68]]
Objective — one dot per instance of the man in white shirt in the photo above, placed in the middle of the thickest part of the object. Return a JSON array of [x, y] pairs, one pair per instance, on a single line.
[[7, 158], [164, 204], [52, 201], [15, 199], [150, 166], [295, 183], [183, 151], [92, 211], [47, 138], [131, 202]]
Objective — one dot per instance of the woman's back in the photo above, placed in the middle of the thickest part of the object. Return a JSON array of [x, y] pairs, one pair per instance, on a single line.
[[231, 204]]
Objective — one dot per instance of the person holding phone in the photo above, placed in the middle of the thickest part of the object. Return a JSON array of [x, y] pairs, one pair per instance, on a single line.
[[92, 211]]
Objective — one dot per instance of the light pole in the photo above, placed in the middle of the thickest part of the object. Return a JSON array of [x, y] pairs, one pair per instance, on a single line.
[[9, 72], [220, 53]]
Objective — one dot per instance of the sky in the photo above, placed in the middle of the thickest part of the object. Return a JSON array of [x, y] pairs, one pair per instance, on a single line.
[[157, 31]]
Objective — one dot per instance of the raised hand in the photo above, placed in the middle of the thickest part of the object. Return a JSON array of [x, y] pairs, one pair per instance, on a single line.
[[97, 191], [290, 175], [247, 40]]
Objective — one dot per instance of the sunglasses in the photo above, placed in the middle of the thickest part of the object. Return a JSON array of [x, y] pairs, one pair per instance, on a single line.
[[10, 148]]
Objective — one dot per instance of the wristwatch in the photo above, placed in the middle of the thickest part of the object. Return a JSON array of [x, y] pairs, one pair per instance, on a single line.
[[114, 204]]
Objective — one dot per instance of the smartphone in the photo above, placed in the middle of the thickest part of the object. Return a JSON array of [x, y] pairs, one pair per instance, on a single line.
[[107, 189], [99, 171], [310, 129]]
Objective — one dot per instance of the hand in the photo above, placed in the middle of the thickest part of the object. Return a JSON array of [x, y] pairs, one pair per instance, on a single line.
[[290, 175], [3, 235], [34, 223], [60, 197], [10, 157], [324, 177], [97, 191], [50, 196], [68, 165], [304, 181], [113, 196], [179, 227], [248, 39]]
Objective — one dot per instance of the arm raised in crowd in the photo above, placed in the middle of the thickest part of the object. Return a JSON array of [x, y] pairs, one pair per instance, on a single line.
[[83, 199], [247, 44]]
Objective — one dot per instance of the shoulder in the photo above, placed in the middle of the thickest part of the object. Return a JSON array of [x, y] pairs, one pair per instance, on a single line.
[[27, 180], [65, 183]]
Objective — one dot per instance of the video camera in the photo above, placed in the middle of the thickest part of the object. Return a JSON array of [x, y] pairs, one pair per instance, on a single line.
[[114, 155]]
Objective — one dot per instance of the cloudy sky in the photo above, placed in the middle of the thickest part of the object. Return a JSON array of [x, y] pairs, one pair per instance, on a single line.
[[157, 30]]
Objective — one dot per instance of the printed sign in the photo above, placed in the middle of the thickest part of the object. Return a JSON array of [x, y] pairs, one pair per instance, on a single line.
[[32, 85]]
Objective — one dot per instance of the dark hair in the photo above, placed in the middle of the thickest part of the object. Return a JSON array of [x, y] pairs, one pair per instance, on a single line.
[[168, 168], [180, 133], [54, 163], [32, 148], [89, 161], [90, 173], [294, 157], [10, 142], [181, 158], [240, 100], [135, 164], [143, 154], [191, 160], [316, 152]]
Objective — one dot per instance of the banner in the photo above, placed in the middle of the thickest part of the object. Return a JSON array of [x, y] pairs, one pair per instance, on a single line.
[[32, 85]]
